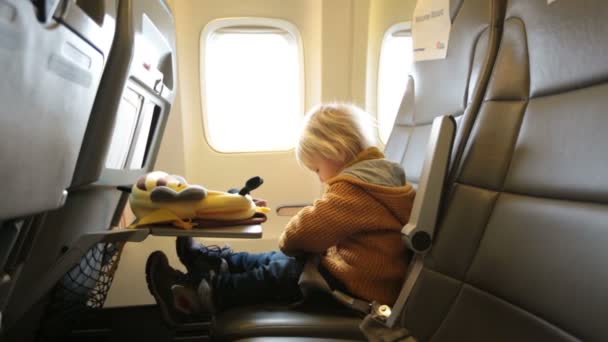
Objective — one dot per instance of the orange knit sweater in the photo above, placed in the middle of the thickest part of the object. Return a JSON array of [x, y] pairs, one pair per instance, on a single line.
[[356, 226]]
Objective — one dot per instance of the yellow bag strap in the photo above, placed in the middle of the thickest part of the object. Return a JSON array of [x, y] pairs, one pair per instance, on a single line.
[[163, 216]]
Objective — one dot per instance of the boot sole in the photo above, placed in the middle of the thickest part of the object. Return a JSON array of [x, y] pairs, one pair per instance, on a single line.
[[152, 259]]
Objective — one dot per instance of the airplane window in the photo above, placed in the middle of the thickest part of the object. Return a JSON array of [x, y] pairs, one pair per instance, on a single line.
[[395, 64], [252, 86]]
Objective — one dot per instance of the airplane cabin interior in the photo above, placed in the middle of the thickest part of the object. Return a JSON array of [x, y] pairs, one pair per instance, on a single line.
[[127, 126]]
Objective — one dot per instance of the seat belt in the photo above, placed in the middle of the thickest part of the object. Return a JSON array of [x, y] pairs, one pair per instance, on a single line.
[[311, 280], [418, 233]]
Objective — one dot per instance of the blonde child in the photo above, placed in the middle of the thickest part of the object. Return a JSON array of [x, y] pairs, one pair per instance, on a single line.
[[355, 227]]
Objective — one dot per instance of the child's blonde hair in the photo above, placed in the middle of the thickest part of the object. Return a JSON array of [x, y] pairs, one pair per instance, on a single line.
[[335, 131]]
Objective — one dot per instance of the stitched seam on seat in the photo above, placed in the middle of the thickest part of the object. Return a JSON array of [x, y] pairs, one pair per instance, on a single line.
[[505, 100], [568, 90], [524, 194], [518, 307], [490, 294], [430, 122], [471, 65], [451, 304]]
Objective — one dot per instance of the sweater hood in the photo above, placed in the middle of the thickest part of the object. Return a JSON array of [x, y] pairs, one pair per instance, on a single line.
[[371, 167], [382, 179]]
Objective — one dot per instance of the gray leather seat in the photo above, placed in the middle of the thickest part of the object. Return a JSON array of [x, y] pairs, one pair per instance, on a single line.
[[82, 226], [520, 253], [454, 86]]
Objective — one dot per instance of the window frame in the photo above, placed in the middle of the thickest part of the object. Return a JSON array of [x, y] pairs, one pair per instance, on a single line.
[[249, 23], [390, 31]]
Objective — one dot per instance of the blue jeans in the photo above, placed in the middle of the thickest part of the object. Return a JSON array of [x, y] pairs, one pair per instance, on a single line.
[[257, 279]]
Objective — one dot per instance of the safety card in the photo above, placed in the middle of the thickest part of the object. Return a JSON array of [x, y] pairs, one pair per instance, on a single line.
[[431, 26]]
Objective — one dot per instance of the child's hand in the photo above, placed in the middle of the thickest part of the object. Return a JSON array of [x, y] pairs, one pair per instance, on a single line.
[[260, 202]]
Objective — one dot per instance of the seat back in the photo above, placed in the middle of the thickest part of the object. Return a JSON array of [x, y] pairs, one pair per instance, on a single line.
[[520, 250], [120, 145], [51, 64], [451, 86], [52, 55]]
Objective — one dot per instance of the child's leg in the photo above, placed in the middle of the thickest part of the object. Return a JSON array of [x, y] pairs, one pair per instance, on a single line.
[[196, 257], [243, 261], [268, 277], [200, 259]]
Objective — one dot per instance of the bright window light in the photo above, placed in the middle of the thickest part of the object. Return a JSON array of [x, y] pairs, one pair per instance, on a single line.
[[395, 64], [252, 86]]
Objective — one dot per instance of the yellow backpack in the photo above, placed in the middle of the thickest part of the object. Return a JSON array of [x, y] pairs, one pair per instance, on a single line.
[[160, 198]]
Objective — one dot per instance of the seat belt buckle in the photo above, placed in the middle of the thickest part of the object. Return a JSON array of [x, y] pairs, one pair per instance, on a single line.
[[380, 312]]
